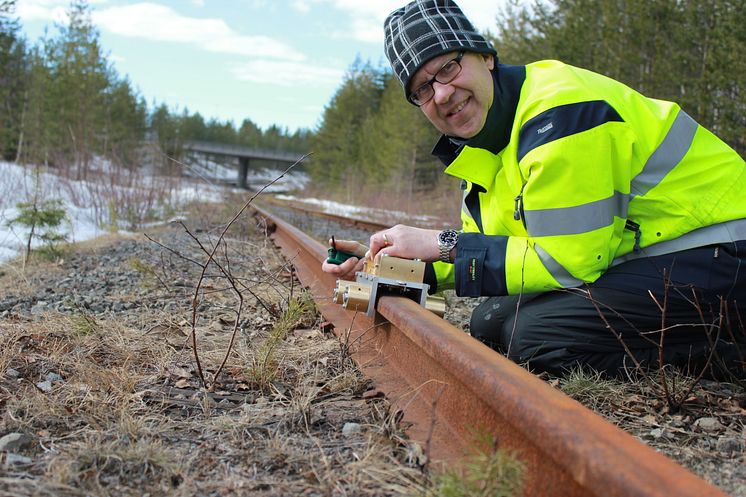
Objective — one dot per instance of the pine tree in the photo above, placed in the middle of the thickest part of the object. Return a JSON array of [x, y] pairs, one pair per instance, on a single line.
[[81, 78], [192, 126], [687, 51], [39, 126], [12, 81], [125, 121], [336, 144], [249, 134], [220, 132], [395, 143]]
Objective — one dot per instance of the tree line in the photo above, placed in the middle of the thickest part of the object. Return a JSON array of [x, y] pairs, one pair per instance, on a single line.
[[687, 51], [62, 103], [370, 135]]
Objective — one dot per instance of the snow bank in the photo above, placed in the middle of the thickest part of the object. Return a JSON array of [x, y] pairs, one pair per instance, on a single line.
[[90, 206]]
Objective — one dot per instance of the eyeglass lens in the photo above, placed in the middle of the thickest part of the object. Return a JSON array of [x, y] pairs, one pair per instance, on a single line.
[[445, 75]]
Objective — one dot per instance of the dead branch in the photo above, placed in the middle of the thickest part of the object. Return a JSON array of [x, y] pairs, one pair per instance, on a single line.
[[210, 258]]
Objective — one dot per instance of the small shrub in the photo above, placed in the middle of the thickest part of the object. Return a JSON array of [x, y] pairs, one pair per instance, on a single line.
[[493, 473], [589, 386], [264, 368], [113, 224], [84, 324], [43, 219]]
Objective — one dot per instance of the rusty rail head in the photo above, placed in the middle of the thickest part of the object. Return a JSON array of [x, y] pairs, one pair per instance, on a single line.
[[452, 388], [363, 224]]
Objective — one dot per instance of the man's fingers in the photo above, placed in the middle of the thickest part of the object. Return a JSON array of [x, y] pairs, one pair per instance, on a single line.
[[350, 246]]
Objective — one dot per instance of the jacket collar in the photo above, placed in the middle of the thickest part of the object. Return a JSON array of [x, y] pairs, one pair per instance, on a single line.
[[495, 134]]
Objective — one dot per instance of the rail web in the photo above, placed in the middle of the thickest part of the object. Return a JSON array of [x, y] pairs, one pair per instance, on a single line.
[[452, 389]]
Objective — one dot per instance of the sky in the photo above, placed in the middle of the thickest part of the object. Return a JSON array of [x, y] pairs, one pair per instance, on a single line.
[[272, 61]]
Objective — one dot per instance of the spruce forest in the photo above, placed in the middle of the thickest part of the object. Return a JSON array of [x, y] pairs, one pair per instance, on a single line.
[[63, 103]]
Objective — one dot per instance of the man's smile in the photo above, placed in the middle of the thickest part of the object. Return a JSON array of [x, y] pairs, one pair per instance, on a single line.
[[458, 108]]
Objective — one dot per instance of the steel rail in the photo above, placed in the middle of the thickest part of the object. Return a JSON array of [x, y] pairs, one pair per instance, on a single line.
[[364, 224], [452, 389]]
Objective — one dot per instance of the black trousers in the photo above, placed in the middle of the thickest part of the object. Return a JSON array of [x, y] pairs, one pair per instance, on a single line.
[[697, 297]]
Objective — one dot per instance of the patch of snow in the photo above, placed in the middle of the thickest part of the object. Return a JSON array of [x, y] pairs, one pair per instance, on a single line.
[[93, 208], [292, 181], [355, 211]]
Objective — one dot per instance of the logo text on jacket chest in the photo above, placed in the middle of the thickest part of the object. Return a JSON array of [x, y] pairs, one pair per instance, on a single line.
[[544, 129]]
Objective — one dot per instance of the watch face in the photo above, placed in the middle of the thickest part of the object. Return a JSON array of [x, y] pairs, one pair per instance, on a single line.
[[448, 238]]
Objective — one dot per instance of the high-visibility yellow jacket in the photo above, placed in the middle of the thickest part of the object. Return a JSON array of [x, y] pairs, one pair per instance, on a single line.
[[574, 173]]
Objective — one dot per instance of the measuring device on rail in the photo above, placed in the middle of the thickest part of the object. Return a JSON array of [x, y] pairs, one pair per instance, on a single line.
[[387, 275]]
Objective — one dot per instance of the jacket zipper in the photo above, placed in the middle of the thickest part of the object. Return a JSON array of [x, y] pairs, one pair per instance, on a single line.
[[635, 228], [518, 207]]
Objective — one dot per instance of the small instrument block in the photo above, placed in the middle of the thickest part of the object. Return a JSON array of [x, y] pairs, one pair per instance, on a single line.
[[386, 275]]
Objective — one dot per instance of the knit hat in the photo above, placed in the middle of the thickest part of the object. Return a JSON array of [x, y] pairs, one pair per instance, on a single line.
[[424, 29]]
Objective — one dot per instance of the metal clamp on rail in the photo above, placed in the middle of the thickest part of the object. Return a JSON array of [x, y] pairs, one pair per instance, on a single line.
[[386, 275]]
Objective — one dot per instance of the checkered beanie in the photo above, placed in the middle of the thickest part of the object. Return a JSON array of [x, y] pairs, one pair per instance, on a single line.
[[424, 29]]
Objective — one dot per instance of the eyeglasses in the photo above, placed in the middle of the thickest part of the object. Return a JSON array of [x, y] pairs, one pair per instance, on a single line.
[[445, 75]]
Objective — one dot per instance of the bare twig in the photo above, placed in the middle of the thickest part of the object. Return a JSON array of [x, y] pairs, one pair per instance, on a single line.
[[210, 258], [662, 335], [431, 428]]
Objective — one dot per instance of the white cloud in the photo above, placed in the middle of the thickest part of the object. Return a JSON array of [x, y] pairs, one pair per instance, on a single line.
[[482, 13], [367, 17], [47, 10], [160, 23], [284, 73], [42, 10], [198, 3], [302, 6]]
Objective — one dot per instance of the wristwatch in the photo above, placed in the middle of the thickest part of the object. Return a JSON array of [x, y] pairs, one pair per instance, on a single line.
[[447, 239]]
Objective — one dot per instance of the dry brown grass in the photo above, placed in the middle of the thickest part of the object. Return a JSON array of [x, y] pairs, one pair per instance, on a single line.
[[129, 416], [113, 427]]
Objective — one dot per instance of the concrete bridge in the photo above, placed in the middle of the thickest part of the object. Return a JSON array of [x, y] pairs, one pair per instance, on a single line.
[[243, 154]]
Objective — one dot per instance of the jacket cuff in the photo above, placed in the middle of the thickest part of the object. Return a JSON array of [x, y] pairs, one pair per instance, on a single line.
[[431, 278], [480, 265]]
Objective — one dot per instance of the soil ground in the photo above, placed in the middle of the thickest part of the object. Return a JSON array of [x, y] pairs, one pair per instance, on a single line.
[[101, 394]]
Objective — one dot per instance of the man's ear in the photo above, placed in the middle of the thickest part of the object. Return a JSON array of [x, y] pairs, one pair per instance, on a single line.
[[489, 60]]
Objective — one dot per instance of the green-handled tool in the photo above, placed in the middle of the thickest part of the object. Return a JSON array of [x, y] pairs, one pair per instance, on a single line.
[[337, 256]]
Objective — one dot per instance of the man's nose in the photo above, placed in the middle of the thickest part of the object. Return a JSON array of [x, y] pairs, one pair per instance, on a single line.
[[442, 92]]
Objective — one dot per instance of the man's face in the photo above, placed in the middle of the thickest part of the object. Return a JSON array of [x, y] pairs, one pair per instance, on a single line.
[[460, 107]]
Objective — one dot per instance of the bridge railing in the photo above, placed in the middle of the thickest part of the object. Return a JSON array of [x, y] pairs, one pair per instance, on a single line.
[[241, 151]]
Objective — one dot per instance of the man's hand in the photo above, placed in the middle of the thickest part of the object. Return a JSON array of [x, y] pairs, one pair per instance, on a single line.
[[406, 242], [346, 270]]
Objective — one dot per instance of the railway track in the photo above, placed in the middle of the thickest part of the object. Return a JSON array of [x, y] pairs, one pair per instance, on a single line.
[[451, 389], [363, 224]]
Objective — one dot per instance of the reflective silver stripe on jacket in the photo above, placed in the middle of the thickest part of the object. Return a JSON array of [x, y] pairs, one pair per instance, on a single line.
[[576, 219], [599, 214], [669, 153], [558, 272], [464, 208], [729, 231]]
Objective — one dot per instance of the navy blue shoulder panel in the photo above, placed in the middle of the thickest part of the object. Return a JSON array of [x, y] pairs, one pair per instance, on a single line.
[[562, 121]]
